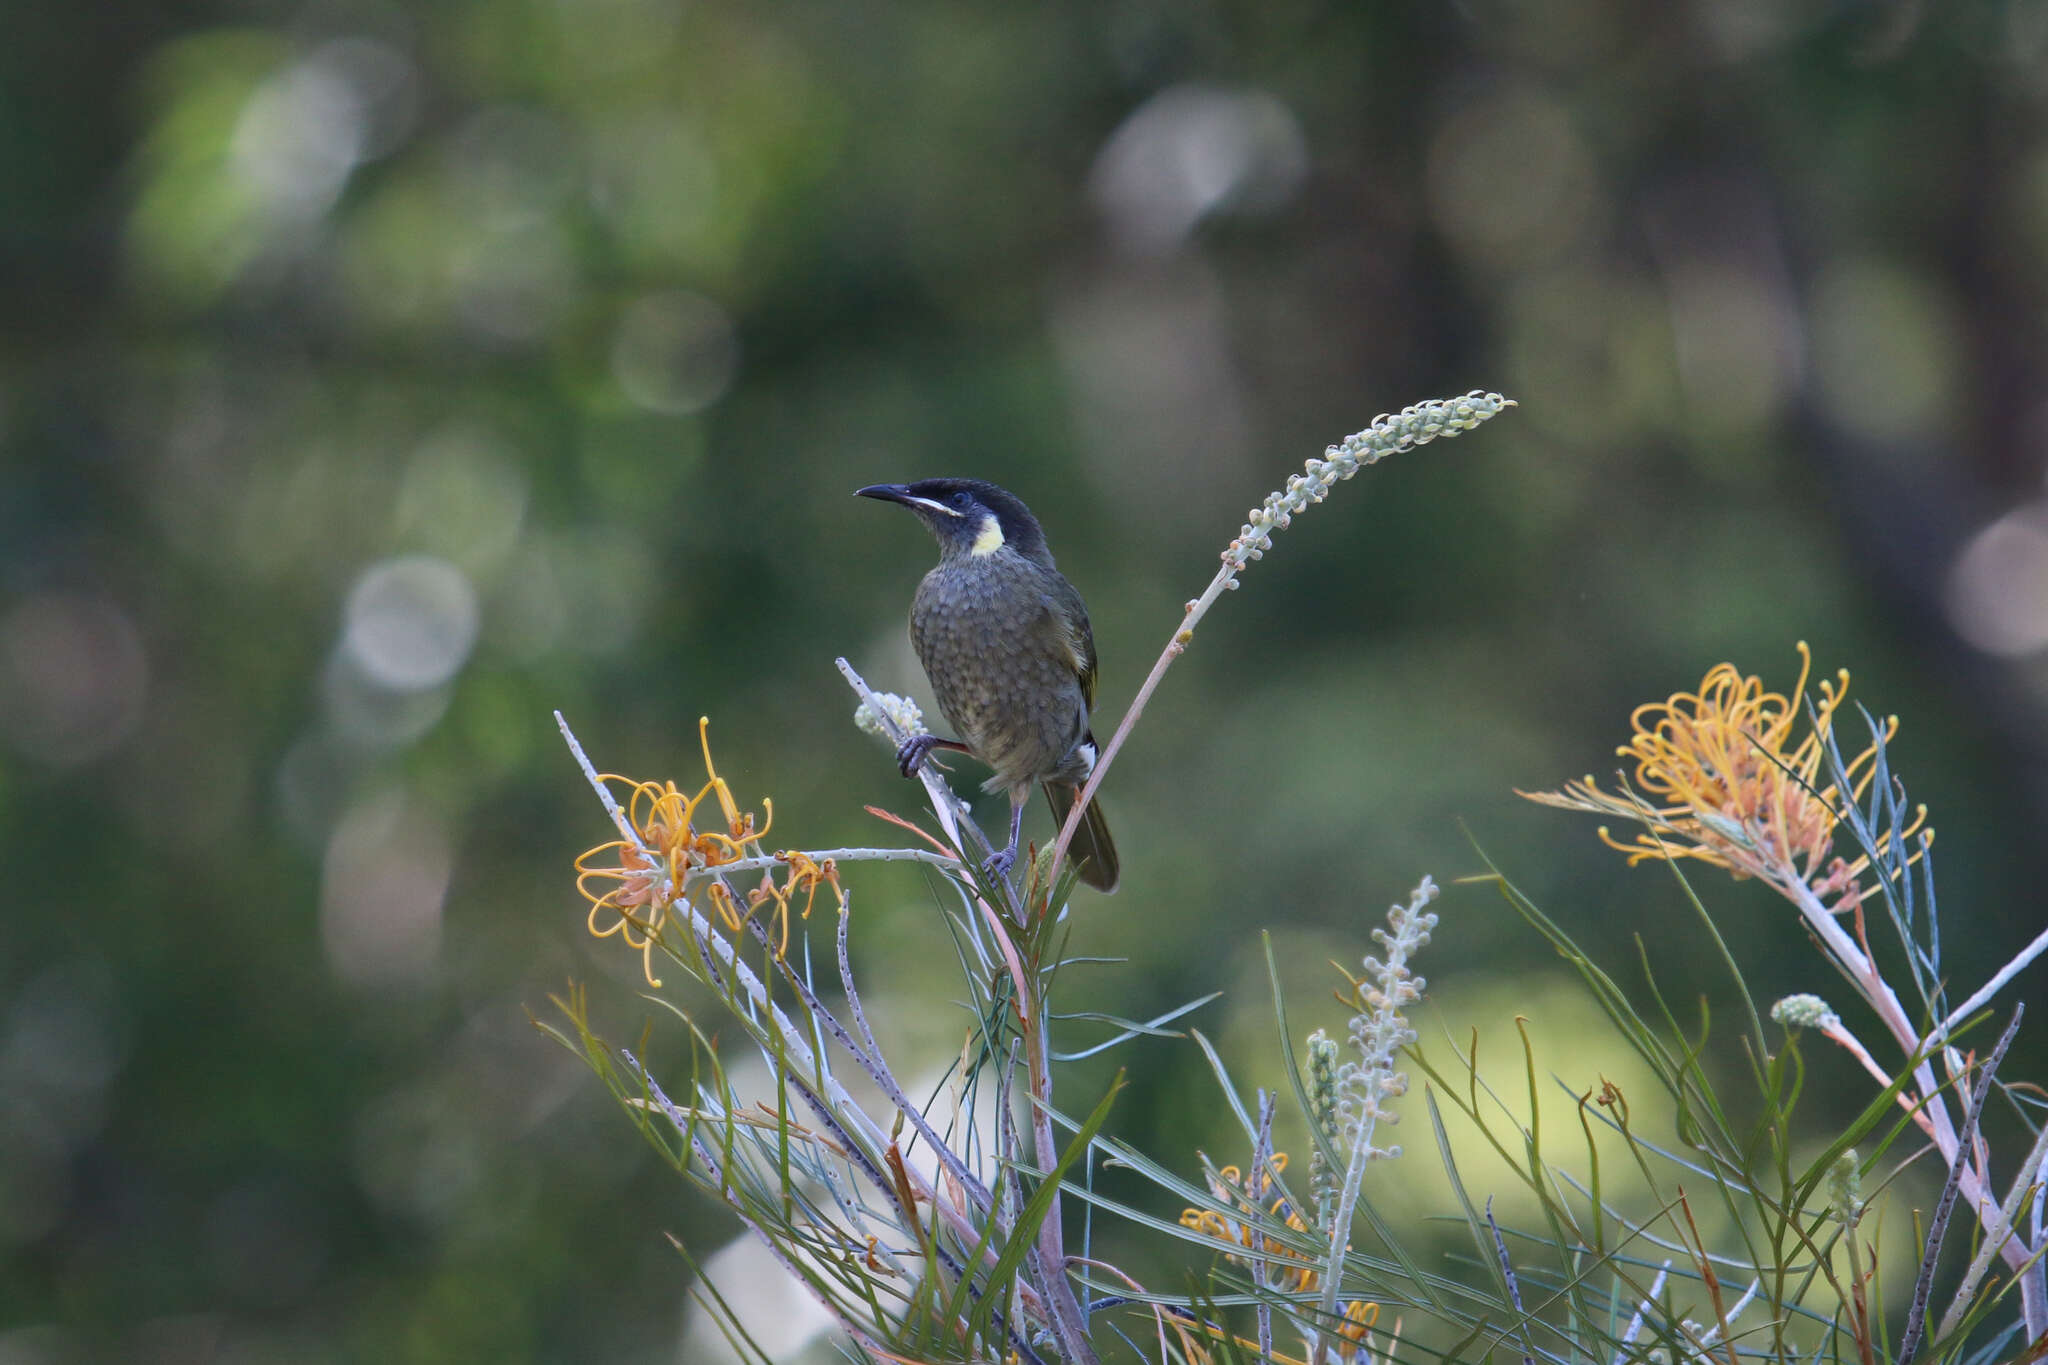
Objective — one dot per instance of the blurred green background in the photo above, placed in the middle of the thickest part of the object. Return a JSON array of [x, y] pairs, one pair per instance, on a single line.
[[375, 379]]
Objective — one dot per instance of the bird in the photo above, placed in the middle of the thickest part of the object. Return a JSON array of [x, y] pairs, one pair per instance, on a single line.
[[1005, 641]]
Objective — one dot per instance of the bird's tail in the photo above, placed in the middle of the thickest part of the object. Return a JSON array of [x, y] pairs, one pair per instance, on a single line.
[[1093, 851]]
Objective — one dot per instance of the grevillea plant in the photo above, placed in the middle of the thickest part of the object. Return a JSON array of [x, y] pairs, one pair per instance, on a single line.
[[939, 1230]]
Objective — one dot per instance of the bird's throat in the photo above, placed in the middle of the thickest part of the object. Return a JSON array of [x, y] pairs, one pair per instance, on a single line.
[[989, 539]]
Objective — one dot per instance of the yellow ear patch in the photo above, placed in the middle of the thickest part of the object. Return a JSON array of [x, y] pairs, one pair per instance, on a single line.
[[990, 538]]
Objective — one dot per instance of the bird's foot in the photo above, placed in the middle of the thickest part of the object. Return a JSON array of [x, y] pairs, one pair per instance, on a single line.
[[911, 754], [999, 863]]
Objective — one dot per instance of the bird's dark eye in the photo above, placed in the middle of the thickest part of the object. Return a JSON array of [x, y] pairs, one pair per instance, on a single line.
[[960, 499]]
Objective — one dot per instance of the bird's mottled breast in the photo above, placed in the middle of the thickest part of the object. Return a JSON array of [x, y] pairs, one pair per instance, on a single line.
[[999, 663]]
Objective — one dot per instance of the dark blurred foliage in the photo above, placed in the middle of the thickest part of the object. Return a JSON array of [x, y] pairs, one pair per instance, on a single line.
[[378, 378]]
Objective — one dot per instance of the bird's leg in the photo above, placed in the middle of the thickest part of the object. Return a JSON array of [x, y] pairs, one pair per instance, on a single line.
[[998, 864], [911, 754]]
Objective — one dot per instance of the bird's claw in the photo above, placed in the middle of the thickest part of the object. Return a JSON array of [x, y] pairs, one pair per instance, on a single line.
[[911, 754], [997, 867]]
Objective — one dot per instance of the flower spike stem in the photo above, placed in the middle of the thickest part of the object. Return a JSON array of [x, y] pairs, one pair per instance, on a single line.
[[1388, 435], [1378, 1032]]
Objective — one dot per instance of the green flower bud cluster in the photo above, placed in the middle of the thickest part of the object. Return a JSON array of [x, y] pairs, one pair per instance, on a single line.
[[1845, 1187], [1804, 1011], [1388, 435], [1322, 1094]]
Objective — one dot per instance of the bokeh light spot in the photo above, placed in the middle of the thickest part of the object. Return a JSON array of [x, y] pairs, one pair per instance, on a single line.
[[369, 715], [1998, 586], [299, 137], [1191, 151], [410, 622]]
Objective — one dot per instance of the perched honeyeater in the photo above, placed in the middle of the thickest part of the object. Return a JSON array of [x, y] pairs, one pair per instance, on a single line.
[[1004, 639]]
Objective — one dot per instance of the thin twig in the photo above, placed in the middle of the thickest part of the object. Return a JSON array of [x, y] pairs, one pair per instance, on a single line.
[[1994, 985], [604, 793], [1837, 1032], [1923, 1285], [1196, 610], [968, 1232]]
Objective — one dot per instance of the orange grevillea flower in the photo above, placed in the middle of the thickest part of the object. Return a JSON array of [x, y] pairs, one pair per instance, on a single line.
[[1286, 1269], [1718, 777], [633, 883], [1253, 1195]]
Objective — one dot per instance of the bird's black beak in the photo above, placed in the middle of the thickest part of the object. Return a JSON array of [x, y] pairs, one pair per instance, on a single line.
[[887, 492]]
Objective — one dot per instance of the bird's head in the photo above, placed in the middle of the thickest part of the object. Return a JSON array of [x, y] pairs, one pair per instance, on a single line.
[[970, 517]]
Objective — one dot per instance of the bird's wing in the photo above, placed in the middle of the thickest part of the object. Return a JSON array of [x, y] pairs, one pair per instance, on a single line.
[[1066, 624]]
